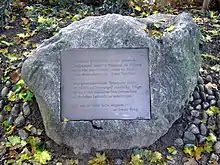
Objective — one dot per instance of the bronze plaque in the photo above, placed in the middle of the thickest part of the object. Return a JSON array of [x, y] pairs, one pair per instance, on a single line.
[[105, 84]]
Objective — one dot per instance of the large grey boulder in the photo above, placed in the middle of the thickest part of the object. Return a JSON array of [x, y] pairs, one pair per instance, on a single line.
[[174, 62]]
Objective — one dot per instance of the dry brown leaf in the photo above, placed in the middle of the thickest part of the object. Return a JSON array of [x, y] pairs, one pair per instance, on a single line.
[[190, 161], [15, 76], [25, 21]]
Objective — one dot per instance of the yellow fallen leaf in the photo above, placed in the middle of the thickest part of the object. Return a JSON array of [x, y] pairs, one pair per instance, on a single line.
[[210, 85], [163, 20], [3, 36], [216, 25], [212, 14], [11, 96], [216, 67], [25, 20], [41, 19], [4, 51], [137, 8], [171, 28], [22, 35]]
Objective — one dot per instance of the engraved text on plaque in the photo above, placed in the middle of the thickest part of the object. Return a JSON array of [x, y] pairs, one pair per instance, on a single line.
[[105, 84]]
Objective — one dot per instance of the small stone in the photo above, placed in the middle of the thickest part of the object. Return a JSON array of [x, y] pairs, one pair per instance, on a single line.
[[196, 121], [96, 123], [213, 157], [171, 162], [203, 96], [212, 102], [202, 139], [1, 117], [217, 95], [27, 163], [1, 105], [22, 134], [201, 88], [8, 84], [208, 91], [217, 147], [195, 113], [190, 108], [196, 95], [205, 105], [189, 118], [200, 80], [191, 99], [33, 131], [218, 103], [189, 137], [196, 89], [180, 133], [20, 121], [204, 115], [18, 70], [49, 144], [4, 92], [10, 119], [26, 109], [204, 160], [210, 97], [198, 107], [208, 78], [178, 142], [197, 102], [218, 120], [15, 110], [118, 162], [194, 129], [20, 65], [203, 129], [211, 121]]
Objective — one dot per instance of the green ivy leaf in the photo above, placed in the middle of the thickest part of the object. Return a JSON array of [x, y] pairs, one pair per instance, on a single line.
[[213, 110], [23, 143], [42, 157], [98, 159], [33, 141], [7, 107], [13, 57], [6, 124], [11, 96], [76, 17], [20, 83], [22, 95], [172, 150], [211, 138], [188, 150], [28, 96], [136, 160], [14, 140], [208, 147]]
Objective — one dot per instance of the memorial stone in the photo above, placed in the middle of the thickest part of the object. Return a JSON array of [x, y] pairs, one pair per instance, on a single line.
[[75, 76]]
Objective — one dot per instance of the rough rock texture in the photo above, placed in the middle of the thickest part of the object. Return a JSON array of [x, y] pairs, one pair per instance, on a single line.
[[174, 62]]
